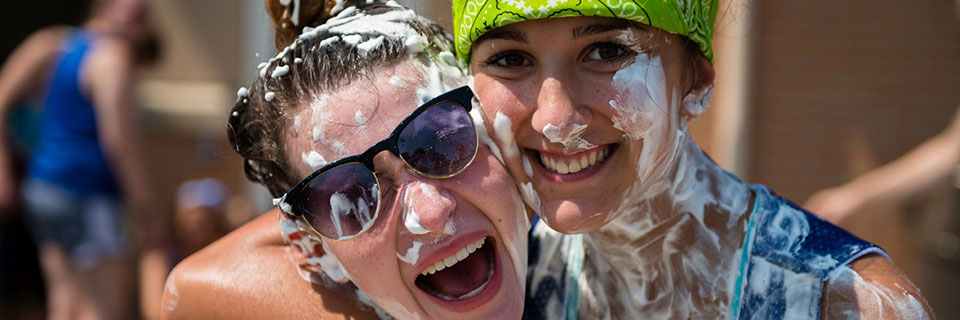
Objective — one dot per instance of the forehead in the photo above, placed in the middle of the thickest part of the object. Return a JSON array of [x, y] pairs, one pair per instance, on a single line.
[[350, 119], [575, 27]]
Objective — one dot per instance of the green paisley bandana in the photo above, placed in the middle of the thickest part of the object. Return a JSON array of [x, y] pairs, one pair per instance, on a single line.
[[690, 18]]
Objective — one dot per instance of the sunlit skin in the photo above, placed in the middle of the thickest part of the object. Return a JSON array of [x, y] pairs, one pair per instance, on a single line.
[[561, 72], [564, 85], [372, 258]]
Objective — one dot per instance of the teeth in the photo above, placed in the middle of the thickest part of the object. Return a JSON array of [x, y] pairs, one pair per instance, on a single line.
[[451, 260], [575, 165], [562, 167]]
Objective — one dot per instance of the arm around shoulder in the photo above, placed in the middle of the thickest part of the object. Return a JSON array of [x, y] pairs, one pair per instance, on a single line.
[[872, 287], [251, 274]]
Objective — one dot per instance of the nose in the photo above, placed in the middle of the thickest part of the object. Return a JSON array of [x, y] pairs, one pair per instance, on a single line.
[[426, 208], [425, 204], [559, 111]]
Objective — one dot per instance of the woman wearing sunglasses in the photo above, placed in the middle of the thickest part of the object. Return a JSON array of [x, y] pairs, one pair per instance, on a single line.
[[389, 202], [589, 102]]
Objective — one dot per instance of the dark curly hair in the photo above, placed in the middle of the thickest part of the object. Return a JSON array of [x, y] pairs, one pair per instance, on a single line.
[[256, 125]]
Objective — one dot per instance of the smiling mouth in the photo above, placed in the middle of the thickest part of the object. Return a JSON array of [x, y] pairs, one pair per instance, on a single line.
[[461, 275], [576, 163]]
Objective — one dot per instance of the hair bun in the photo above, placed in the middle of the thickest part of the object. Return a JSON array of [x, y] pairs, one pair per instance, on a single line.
[[291, 16]]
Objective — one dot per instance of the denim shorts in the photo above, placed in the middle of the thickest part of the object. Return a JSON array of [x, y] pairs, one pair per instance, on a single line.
[[86, 227]]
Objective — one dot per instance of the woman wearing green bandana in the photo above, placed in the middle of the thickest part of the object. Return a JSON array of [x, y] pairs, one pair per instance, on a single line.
[[588, 102]]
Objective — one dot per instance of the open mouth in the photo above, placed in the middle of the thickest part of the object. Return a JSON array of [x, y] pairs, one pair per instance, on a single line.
[[576, 163], [461, 275]]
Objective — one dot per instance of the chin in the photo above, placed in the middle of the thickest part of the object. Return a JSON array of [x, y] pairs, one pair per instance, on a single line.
[[567, 217]]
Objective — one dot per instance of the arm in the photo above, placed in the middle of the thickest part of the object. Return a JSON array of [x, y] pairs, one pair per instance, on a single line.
[[153, 272], [108, 75], [917, 171], [872, 288], [24, 73], [251, 274]]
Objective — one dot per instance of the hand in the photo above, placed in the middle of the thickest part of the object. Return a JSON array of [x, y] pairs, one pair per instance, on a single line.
[[837, 205]]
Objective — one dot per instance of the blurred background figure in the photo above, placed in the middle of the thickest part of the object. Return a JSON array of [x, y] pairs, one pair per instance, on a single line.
[[200, 218], [86, 162], [933, 163]]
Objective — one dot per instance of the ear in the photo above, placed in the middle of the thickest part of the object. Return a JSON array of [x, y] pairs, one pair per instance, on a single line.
[[698, 99], [315, 258]]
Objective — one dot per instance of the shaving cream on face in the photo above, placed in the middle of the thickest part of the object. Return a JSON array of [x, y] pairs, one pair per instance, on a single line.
[[503, 128], [572, 141], [531, 197], [411, 219], [527, 167], [449, 228], [313, 160], [412, 222], [359, 118], [413, 253], [680, 262], [397, 82], [484, 137]]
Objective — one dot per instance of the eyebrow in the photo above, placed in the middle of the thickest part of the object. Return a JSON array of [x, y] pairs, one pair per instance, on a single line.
[[504, 35], [600, 27]]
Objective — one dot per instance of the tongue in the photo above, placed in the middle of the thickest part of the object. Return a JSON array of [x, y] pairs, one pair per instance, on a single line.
[[463, 277]]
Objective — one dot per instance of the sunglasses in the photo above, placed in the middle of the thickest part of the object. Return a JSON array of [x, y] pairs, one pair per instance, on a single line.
[[341, 200]]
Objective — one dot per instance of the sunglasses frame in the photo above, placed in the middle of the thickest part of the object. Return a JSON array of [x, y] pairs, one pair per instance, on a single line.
[[462, 96]]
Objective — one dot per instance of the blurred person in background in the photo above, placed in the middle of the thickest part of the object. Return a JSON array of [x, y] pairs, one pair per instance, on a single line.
[[920, 170], [199, 220], [87, 155]]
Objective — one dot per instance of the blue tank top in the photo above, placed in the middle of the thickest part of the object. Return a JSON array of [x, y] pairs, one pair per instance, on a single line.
[[68, 152], [787, 256]]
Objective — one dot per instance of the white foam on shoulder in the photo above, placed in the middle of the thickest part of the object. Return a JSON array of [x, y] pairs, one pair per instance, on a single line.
[[860, 298]]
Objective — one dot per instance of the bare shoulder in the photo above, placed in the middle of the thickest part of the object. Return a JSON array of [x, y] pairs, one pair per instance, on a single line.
[[48, 39], [110, 50], [250, 274], [872, 287]]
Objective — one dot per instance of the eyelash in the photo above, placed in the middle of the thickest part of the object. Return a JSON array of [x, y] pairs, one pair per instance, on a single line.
[[493, 61], [624, 52]]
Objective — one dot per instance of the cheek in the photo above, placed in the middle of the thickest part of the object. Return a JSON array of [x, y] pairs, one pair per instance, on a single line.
[[501, 96]]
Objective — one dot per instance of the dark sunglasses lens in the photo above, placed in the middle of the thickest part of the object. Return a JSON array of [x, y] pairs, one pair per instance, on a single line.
[[440, 141], [341, 202]]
